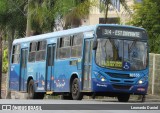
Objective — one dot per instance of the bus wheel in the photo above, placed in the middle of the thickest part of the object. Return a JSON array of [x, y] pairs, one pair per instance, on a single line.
[[76, 94], [31, 90], [123, 97]]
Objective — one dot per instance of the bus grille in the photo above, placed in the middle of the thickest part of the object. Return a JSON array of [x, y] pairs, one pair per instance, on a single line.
[[117, 75], [121, 87]]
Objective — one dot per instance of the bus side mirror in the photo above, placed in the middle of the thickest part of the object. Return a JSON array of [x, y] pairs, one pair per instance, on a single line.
[[95, 44]]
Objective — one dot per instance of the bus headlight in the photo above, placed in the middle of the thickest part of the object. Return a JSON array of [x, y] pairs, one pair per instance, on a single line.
[[103, 79], [100, 77], [142, 80]]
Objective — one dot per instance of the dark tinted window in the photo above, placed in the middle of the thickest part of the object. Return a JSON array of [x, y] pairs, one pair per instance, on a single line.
[[70, 46], [32, 51], [41, 51], [15, 54], [76, 48], [64, 49]]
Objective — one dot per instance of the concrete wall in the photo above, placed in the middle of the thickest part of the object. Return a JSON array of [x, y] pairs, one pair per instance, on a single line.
[[154, 74]]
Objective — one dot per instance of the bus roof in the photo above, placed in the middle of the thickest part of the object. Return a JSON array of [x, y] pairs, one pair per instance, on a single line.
[[65, 32], [55, 34]]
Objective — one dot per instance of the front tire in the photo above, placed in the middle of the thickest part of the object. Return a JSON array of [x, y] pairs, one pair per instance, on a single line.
[[31, 91], [75, 90], [123, 97]]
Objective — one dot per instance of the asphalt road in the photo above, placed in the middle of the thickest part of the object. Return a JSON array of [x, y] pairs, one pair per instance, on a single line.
[[73, 106]]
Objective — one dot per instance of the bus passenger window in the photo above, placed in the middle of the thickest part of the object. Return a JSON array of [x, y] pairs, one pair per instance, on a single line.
[[76, 47], [41, 50], [15, 54], [32, 52], [64, 49]]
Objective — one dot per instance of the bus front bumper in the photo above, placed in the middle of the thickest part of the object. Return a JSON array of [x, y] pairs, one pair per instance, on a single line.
[[120, 88]]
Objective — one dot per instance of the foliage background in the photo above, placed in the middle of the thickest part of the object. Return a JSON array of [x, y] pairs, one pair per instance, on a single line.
[[147, 15], [5, 61]]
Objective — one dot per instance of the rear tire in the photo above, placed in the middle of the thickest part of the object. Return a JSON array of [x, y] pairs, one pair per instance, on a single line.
[[123, 97], [75, 90], [31, 91]]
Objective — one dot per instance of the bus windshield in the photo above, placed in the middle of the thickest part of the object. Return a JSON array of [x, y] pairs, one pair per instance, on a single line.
[[122, 54]]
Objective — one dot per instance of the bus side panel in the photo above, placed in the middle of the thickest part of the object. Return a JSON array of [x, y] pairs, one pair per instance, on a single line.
[[14, 77], [37, 71], [61, 79], [63, 72]]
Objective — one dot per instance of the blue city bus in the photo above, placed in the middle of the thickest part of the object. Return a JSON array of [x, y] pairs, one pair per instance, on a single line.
[[98, 60]]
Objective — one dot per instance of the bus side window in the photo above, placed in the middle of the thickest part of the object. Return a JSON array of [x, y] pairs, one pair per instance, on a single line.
[[32, 51], [41, 51], [64, 48], [76, 46], [16, 54]]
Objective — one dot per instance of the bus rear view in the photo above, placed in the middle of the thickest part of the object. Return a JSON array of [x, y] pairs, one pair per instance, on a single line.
[[120, 65]]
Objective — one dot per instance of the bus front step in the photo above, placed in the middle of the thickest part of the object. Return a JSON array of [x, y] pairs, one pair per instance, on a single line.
[[49, 92]]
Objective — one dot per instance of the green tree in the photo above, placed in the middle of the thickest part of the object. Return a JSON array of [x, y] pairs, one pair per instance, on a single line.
[[2, 10], [40, 16], [5, 61], [105, 7], [146, 15], [72, 11], [44, 16], [12, 20], [11, 24]]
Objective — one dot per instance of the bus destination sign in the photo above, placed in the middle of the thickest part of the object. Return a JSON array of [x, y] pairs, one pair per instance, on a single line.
[[123, 33]]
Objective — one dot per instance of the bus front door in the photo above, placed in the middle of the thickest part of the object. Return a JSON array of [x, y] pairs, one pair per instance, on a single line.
[[50, 67], [23, 69], [87, 65]]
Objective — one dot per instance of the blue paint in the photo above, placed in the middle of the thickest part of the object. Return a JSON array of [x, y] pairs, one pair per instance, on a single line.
[[108, 87], [14, 77], [57, 78], [63, 72], [37, 71]]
